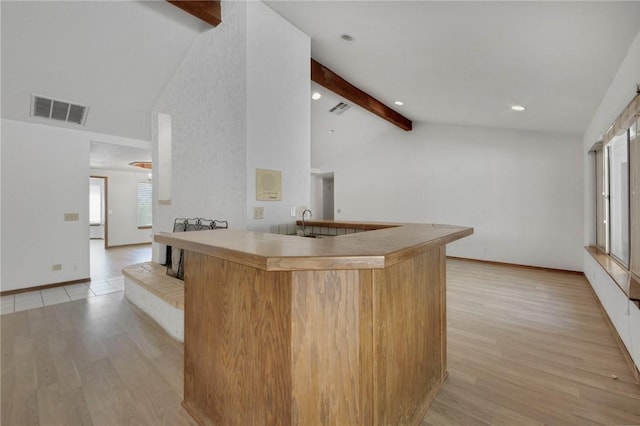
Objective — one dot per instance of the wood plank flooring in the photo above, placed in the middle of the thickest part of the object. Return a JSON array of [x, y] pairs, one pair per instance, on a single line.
[[525, 347], [528, 347], [107, 263], [96, 361]]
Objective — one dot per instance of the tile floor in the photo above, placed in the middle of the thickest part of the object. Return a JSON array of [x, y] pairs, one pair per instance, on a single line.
[[106, 267]]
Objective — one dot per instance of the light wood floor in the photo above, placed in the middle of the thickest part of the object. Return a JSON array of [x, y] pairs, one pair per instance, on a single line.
[[525, 347], [107, 263], [529, 347]]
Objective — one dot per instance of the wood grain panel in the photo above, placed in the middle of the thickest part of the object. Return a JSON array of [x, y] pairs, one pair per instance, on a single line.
[[272, 252], [367, 379], [237, 333], [331, 351], [338, 85], [442, 283], [208, 11], [408, 338]]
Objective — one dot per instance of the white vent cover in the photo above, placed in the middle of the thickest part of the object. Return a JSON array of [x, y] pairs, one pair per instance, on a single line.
[[55, 109], [340, 108]]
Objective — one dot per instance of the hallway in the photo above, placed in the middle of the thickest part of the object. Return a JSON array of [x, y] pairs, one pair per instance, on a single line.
[[106, 277]]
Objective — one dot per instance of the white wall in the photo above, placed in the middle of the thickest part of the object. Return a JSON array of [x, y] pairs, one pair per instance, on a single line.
[[520, 190], [624, 315], [45, 173], [278, 112], [240, 100], [206, 100], [122, 198]]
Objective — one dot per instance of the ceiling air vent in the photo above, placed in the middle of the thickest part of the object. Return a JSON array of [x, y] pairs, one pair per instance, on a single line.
[[340, 108], [58, 110]]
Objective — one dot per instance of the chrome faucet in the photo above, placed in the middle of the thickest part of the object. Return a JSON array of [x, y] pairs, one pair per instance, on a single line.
[[304, 228]]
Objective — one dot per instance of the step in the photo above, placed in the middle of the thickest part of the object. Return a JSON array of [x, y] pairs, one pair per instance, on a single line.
[[159, 295]]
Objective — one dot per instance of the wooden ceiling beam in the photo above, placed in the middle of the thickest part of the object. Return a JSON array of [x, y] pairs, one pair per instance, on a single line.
[[341, 87], [209, 11]]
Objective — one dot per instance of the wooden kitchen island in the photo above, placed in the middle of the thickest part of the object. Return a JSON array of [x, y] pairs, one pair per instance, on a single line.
[[286, 330]]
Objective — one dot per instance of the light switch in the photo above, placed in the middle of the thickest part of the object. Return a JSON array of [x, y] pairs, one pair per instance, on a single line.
[[258, 212]]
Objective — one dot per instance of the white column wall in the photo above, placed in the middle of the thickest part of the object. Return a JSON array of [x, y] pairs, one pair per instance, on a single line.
[[207, 102], [239, 101], [278, 112]]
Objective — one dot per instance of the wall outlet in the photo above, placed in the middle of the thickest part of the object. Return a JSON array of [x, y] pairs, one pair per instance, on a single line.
[[301, 209], [56, 267], [258, 212], [293, 211], [71, 217]]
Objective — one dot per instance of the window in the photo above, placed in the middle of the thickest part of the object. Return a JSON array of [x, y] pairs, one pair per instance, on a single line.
[[95, 203], [618, 155], [634, 199], [602, 205], [617, 169], [613, 174], [617, 179], [144, 204]]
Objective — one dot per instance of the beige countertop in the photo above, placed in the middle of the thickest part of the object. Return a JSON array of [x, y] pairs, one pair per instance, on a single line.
[[385, 245]]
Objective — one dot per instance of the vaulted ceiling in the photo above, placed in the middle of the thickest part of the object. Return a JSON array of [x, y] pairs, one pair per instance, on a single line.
[[468, 62], [449, 62], [115, 57]]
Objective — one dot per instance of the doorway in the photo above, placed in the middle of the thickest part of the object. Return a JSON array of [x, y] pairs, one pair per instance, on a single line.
[[322, 195], [98, 209], [327, 197]]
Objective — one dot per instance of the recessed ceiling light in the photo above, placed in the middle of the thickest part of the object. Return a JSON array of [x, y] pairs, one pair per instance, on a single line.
[[400, 103], [518, 108], [316, 95], [347, 38]]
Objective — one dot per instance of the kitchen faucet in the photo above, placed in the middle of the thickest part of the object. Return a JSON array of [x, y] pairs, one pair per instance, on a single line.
[[304, 213]]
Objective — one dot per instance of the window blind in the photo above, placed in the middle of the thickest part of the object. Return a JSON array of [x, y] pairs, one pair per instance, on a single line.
[[144, 204]]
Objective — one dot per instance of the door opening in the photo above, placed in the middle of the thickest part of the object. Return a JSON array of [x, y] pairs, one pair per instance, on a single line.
[[327, 197], [98, 209], [322, 195]]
